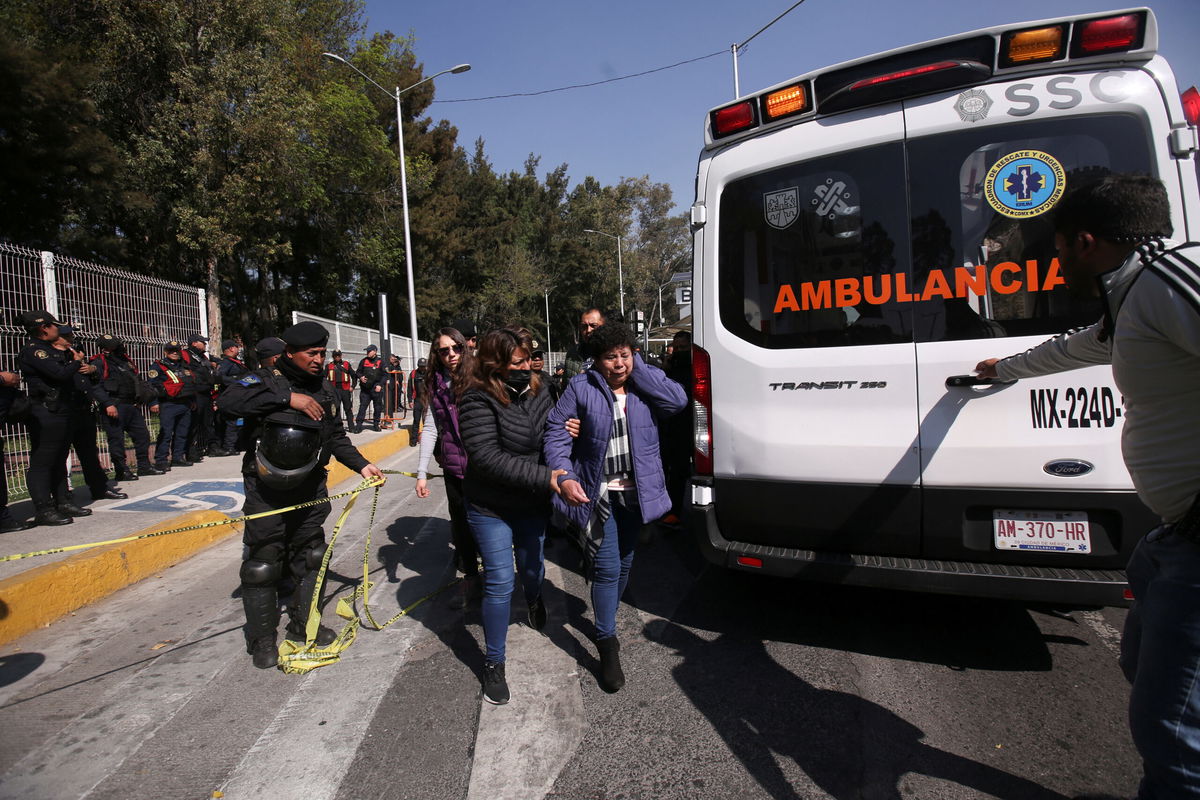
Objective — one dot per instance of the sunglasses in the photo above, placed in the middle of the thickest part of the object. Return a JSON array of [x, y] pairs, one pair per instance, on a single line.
[[445, 351]]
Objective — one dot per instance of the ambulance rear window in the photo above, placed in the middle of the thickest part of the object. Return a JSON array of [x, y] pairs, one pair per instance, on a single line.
[[851, 249]]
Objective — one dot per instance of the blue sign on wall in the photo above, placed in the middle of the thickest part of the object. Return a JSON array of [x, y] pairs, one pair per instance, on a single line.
[[225, 496]]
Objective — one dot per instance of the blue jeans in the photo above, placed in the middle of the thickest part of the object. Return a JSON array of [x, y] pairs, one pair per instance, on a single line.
[[1160, 655], [499, 538], [613, 560]]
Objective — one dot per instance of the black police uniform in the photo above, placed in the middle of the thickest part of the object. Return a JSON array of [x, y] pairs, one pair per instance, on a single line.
[[295, 541], [370, 391], [119, 377], [14, 409], [229, 371], [342, 377], [175, 385], [416, 398], [200, 434], [394, 405], [62, 418]]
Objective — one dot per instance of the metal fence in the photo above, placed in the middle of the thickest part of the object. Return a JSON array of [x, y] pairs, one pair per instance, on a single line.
[[96, 300]]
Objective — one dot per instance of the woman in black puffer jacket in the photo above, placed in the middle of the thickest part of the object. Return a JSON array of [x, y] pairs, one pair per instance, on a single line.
[[502, 415]]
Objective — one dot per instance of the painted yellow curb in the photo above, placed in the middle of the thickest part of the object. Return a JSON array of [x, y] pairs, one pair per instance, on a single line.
[[37, 597]]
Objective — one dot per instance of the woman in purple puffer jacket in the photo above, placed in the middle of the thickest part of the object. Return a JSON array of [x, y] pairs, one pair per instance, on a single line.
[[614, 482], [447, 356]]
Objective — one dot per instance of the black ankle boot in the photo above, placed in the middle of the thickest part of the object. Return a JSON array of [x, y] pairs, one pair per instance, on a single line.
[[611, 676], [263, 652]]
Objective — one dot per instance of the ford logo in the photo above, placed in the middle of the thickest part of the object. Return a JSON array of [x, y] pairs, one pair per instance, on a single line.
[[1068, 468]]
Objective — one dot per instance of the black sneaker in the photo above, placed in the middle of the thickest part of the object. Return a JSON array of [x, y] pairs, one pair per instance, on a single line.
[[537, 614], [264, 652], [495, 687]]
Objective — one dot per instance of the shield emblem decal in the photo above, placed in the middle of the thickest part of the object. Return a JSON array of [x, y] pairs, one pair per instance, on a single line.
[[782, 208]]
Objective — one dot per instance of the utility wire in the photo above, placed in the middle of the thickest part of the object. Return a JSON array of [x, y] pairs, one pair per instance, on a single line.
[[769, 24], [584, 85]]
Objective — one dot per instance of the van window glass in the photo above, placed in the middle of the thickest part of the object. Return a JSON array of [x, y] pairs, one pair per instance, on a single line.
[[815, 254], [982, 272]]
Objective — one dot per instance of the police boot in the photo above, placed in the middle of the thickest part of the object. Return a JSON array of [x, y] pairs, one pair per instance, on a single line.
[[122, 472], [611, 676], [69, 509], [302, 601], [49, 515], [261, 604]]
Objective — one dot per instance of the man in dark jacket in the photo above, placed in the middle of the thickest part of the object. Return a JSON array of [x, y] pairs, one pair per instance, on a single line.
[[416, 399], [229, 371], [292, 432], [370, 385], [175, 385], [62, 417], [204, 369], [120, 379], [342, 378]]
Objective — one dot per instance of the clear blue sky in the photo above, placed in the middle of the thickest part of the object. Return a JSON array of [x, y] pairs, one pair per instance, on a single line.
[[653, 125]]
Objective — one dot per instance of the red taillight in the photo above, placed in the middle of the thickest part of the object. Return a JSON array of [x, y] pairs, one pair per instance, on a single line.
[[1109, 35], [702, 411], [1191, 106], [732, 119], [902, 74], [1128, 593], [749, 561]]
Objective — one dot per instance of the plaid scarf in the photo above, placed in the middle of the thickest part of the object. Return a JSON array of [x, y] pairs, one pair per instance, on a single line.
[[618, 461]]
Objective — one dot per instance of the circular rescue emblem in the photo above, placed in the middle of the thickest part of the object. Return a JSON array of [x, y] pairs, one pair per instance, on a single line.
[[1025, 184]]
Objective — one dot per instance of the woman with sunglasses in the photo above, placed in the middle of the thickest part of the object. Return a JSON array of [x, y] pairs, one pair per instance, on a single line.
[[441, 439], [502, 416]]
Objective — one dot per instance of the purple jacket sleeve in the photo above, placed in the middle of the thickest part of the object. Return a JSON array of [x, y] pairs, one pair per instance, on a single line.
[[558, 443], [664, 396]]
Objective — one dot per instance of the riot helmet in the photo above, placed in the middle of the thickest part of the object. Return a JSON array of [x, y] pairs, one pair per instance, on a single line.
[[289, 444]]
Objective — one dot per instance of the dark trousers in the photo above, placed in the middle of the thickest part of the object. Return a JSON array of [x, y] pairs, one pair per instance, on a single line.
[[284, 541], [51, 436], [466, 554], [418, 409], [369, 397], [228, 432], [129, 420], [174, 420], [344, 400], [200, 433]]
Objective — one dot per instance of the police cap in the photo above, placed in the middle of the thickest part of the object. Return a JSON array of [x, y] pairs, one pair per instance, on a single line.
[[305, 334], [32, 319], [270, 346], [228, 343], [465, 327], [172, 345], [196, 337], [109, 342], [370, 347], [422, 361]]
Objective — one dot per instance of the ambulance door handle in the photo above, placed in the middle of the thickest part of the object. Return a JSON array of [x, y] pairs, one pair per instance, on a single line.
[[958, 381]]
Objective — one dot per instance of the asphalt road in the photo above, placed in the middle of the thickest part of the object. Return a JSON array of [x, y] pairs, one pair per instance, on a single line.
[[738, 687]]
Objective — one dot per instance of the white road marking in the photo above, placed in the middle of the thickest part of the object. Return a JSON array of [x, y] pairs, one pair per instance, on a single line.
[[1109, 636], [520, 748]]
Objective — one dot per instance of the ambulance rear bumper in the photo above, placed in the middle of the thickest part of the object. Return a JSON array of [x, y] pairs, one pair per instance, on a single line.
[[1058, 585]]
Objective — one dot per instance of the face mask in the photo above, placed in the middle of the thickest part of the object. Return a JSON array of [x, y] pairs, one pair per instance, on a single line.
[[517, 378]]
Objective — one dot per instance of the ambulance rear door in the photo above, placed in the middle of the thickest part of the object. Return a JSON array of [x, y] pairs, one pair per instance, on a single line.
[[813, 402], [1030, 472]]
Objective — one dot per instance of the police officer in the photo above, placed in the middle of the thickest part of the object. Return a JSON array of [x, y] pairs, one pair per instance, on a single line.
[[203, 367], [268, 351], [416, 399], [292, 432], [370, 385], [394, 407], [175, 385], [230, 370], [341, 376], [119, 378], [62, 416]]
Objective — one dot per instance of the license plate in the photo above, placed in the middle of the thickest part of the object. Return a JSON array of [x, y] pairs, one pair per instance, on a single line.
[[1049, 531]]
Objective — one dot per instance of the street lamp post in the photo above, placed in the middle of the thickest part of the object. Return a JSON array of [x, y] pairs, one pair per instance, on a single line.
[[620, 272], [412, 296]]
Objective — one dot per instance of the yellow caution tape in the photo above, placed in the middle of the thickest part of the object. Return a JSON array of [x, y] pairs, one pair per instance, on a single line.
[[409, 474]]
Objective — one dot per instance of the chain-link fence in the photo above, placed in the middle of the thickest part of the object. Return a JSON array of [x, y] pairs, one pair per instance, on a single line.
[[96, 300]]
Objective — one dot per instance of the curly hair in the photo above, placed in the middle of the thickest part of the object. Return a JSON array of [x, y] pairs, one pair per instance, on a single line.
[[1122, 208], [491, 364], [607, 337]]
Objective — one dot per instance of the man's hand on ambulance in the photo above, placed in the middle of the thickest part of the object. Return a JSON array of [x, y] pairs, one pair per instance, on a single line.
[[986, 368]]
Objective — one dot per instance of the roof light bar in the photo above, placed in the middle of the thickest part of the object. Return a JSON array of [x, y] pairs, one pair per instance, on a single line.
[[1108, 35], [732, 119], [1033, 45]]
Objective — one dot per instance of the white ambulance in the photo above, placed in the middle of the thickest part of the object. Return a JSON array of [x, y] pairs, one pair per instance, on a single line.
[[863, 236]]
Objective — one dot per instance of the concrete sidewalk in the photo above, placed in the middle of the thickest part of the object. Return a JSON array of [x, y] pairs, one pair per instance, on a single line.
[[36, 591]]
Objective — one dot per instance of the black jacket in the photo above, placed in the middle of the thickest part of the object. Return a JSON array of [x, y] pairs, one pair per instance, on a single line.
[[505, 468], [53, 377], [265, 391]]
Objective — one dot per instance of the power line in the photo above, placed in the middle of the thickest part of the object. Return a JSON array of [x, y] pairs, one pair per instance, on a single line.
[[585, 85]]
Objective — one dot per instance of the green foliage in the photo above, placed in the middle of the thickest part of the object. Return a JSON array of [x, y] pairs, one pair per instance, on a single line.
[[212, 143]]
